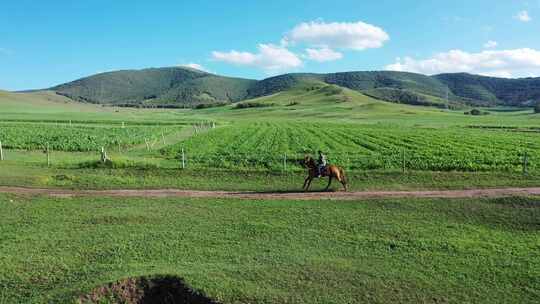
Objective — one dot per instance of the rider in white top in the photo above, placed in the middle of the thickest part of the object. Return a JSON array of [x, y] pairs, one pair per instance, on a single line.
[[322, 163]]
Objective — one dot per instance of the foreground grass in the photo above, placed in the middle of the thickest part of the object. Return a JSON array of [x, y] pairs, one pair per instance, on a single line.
[[376, 251], [159, 178]]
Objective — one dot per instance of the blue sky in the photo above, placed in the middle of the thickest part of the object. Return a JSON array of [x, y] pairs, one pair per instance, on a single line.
[[43, 43]]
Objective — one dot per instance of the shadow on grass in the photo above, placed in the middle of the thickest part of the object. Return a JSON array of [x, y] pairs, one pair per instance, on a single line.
[[146, 290], [299, 191]]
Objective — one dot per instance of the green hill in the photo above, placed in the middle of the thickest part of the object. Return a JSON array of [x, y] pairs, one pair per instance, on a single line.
[[484, 90], [416, 89], [398, 87], [312, 100], [41, 102], [281, 83], [185, 87], [207, 89], [170, 86], [386, 79]]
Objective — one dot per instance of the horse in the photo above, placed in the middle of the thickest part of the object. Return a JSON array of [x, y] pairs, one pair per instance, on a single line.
[[331, 171]]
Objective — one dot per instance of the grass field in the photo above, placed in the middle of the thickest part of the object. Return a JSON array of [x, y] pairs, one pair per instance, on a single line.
[[377, 251], [135, 176]]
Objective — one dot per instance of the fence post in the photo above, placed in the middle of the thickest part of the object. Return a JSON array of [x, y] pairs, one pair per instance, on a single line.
[[1, 151], [104, 157], [403, 160], [285, 162], [525, 163], [183, 159], [48, 156], [163, 137], [147, 145]]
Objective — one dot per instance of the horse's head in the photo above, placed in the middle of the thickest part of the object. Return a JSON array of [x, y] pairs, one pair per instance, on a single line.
[[309, 162]]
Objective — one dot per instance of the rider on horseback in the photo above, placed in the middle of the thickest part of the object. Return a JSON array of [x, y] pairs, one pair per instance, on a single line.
[[321, 163], [318, 168]]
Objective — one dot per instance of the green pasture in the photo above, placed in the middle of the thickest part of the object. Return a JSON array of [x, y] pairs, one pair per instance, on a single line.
[[240, 251], [151, 173]]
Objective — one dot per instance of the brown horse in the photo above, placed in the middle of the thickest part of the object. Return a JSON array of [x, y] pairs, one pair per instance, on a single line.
[[331, 171]]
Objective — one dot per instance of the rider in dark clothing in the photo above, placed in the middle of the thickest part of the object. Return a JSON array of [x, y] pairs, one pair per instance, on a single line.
[[321, 163]]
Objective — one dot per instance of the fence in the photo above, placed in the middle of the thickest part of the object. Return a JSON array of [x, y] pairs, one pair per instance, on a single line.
[[404, 160], [289, 162]]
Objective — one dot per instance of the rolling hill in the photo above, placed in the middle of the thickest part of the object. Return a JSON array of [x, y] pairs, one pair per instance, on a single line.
[[491, 90], [164, 86], [186, 87], [41, 102], [398, 87]]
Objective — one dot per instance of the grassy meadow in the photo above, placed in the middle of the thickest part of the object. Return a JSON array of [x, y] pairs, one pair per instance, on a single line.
[[238, 251]]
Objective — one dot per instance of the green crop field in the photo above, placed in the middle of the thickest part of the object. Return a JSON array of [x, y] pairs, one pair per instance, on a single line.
[[75, 137], [362, 147]]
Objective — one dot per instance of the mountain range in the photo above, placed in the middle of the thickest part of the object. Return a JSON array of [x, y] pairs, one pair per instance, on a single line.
[[186, 87]]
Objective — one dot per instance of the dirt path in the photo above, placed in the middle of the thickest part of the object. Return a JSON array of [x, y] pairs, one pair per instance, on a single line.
[[277, 195]]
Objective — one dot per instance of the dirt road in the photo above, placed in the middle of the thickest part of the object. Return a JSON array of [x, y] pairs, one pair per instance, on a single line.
[[277, 195]]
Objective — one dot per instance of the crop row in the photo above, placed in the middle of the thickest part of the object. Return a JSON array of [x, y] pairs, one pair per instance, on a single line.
[[35, 136], [273, 145]]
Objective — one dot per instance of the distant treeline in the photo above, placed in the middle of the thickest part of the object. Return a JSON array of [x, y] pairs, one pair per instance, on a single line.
[[246, 105], [149, 106]]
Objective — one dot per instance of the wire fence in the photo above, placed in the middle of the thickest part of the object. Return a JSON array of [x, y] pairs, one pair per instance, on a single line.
[[404, 160]]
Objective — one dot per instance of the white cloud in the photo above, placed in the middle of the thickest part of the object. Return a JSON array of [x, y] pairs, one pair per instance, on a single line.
[[523, 16], [323, 54], [195, 66], [344, 35], [271, 58], [504, 63], [320, 40], [490, 44]]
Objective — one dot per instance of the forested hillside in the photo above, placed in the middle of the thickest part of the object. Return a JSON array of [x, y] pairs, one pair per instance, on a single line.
[[185, 87]]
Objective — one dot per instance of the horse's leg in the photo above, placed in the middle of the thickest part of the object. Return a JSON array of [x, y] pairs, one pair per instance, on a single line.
[[329, 183], [344, 184], [343, 180], [309, 183], [305, 183]]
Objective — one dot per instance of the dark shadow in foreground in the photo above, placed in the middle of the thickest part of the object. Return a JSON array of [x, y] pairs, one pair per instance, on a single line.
[[147, 290]]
